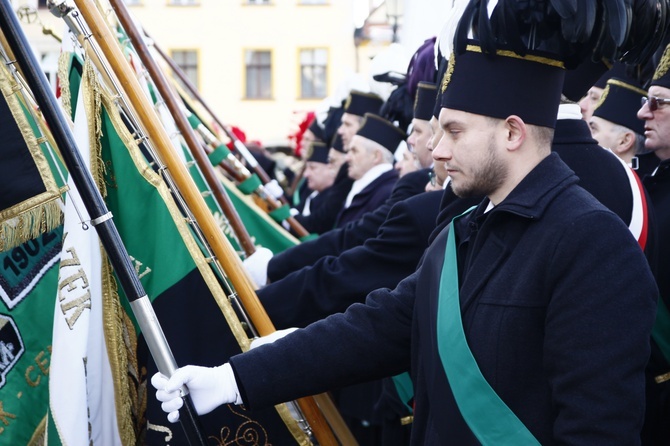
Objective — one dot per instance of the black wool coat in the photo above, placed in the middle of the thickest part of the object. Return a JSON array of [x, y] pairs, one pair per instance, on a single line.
[[353, 234], [369, 199], [325, 210]]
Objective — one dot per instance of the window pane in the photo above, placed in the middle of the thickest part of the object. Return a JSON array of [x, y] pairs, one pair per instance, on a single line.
[[313, 72], [187, 60], [258, 74]]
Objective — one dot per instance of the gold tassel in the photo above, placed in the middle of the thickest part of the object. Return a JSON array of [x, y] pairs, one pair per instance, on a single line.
[[29, 224]]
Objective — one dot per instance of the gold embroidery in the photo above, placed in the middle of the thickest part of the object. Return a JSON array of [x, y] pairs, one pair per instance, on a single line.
[[663, 65], [662, 378], [448, 73], [603, 96], [630, 87], [529, 57], [42, 213]]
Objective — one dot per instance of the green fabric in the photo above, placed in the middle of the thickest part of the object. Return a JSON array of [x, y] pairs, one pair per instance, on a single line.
[[193, 120], [262, 229], [250, 184], [218, 155], [211, 201], [281, 213], [296, 192], [487, 416], [308, 237], [661, 331], [136, 204], [405, 388], [24, 396]]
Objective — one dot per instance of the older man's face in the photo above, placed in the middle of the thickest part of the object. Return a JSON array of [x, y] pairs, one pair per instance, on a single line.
[[657, 123]]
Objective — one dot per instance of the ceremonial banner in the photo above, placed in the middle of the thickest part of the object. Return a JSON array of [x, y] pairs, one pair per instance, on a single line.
[[29, 196], [82, 409]]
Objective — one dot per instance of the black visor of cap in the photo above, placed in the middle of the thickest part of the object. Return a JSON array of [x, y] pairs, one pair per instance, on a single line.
[[318, 152], [359, 103], [381, 131]]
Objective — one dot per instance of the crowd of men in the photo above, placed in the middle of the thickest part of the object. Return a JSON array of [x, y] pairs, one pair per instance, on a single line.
[[506, 283]]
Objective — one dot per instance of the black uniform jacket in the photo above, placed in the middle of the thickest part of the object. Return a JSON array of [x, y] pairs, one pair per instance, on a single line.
[[335, 282], [323, 212], [355, 233], [557, 302], [369, 199]]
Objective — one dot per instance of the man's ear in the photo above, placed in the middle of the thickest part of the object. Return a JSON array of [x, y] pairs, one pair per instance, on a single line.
[[627, 142], [516, 132]]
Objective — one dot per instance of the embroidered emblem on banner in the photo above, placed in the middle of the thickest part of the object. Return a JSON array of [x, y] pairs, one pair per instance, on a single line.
[[22, 267], [11, 346]]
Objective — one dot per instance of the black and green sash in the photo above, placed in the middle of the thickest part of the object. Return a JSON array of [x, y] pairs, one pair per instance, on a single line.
[[487, 416]]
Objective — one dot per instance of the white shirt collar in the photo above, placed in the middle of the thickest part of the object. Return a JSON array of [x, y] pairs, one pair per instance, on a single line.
[[367, 178], [569, 111]]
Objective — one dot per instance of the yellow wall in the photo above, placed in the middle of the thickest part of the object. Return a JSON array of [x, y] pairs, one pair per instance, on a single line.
[[220, 31]]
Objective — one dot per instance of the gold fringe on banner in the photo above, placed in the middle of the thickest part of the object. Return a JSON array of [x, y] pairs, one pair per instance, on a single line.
[[64, 62], [38, 214]]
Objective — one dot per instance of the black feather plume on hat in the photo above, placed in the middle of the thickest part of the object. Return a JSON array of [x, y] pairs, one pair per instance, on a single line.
[[572, 30]]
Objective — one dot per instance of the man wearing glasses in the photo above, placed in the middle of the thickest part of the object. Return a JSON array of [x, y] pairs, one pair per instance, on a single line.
[[655, 112]]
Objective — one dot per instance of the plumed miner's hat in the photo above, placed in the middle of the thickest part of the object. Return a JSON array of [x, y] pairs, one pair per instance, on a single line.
[[620, 102], [424, 103], [337, 143], [662, 74], [503, 84], [317, 130], [318, 152], [359, 103], [588, 74], [381, 131]]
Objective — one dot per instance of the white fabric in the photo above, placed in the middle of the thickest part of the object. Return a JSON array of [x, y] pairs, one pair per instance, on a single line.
[[269, 339], [81, 393], [273, 188], [637, 217], [209, 387], [306, 209], [257, 265], [366, 179], [569, 111]]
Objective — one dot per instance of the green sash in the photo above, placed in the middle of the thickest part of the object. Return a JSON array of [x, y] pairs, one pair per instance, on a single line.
[[487, 416], [661, 331]]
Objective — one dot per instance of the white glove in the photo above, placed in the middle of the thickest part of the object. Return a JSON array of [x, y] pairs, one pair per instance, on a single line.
[[273, 188], [209, 388], [293, 212], [269, 339], [257, 265]]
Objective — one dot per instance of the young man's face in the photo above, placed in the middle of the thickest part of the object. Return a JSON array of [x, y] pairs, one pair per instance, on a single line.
[[471, 153], [657, 123]]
